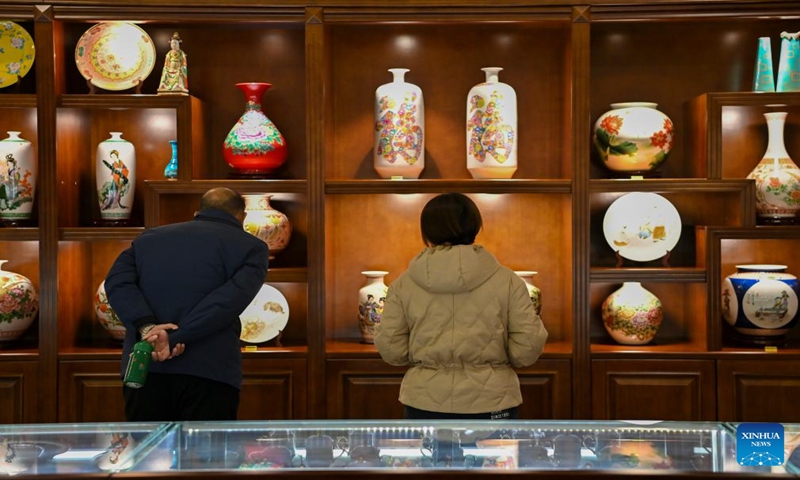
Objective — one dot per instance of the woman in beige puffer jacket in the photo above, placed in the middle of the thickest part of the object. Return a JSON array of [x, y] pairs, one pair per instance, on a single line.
[[460, 320]]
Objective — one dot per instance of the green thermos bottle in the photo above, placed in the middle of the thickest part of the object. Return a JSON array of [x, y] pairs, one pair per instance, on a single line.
[[138, 365]]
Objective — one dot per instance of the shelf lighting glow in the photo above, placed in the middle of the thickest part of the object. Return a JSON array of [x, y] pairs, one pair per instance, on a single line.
[[406, 43]]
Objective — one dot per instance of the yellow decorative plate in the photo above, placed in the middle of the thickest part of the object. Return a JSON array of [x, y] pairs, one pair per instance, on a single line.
[[115, 55], [16, 53], [265, 317]]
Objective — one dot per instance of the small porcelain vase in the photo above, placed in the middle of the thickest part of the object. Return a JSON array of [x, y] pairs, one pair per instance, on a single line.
[[399, 146], [171, 170], [789, 63], [763, 78], [254, 146], [492, 128], [633, 138], [760, 301], [632, 315], [371, 298], [18, 168], [106, 316], [266, 223], [115, 172], [19, 304], [534, 291], [777, 177]]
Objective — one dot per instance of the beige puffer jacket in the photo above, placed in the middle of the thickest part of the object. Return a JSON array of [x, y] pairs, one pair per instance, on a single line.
[[461, 320]]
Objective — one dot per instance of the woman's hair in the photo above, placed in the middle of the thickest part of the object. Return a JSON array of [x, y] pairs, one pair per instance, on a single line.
[[450, 219]]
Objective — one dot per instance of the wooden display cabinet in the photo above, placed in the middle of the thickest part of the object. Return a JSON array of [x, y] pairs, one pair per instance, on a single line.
[[567, 64]]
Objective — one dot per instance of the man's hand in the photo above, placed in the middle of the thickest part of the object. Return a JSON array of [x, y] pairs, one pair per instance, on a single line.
[[159, 337]]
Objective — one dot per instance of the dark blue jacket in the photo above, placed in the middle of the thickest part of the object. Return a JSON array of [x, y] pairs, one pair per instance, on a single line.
[[199, 275]]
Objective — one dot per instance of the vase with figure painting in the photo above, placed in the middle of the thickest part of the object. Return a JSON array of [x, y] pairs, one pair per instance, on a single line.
[[115, 174], [399, 144], [492, 128], [254, 146], [777, 178], [371, 298], [18, 169]]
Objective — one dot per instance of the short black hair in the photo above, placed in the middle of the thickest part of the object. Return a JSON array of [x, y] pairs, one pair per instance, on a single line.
[[223, 199], [450, 219]]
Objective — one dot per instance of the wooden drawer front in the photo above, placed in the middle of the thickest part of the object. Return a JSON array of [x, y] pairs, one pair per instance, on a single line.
[[18, 392], [367, 389], [546, 390], [653, 390], [273, 390], [90, 391], [759, 391]]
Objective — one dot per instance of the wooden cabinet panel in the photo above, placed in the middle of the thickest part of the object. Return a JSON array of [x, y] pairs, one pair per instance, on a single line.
[[273, 389], [90, 391], [546, 390], [370, 389], [758, 391], [653, 390], [18, 395], [366, 389]]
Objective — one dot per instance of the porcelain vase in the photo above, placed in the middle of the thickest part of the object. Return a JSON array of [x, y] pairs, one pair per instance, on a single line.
[[777, 177], [632, 315], [18, 172], [106, 316], [371, 298], [633, 138], [760, 301], [171, 170], [763, 78], [254, 146], [19, 304], [399, 144], [115, 172], [492, 128], [534, 291], [266, 223], [789, 63]]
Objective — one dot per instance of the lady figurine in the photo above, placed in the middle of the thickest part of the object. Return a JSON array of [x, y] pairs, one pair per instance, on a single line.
[[174, 77]]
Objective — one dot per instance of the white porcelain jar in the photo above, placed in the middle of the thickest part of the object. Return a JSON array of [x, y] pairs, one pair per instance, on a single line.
[[534, 291], [266, 223], [632, 315], [105, 314], [492, 128], [399, 145], [19, 304]]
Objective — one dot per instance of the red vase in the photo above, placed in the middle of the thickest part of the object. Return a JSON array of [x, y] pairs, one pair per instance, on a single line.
[[254, 146]]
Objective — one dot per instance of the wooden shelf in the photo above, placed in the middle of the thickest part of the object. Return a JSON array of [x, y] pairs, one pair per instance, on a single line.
[[118, 101], [19, 100], [199, 187], [99, 234], [661, 185], [19, 234], [354, 348], [275, 352], [674, 350], [8, 354], [290, 274], [441, 186], [678, 275]]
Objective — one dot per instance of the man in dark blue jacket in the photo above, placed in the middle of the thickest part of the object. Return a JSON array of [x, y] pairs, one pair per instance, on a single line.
[[182, 287]]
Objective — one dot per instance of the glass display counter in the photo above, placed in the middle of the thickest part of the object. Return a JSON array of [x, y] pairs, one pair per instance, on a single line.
[[344, 449]]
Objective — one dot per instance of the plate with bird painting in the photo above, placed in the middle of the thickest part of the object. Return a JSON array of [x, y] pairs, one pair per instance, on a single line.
[[642, 226], [115, 55], [265, 317], [17, 53]]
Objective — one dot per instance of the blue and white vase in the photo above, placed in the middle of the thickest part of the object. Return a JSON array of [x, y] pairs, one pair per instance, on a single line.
[[761, 301]]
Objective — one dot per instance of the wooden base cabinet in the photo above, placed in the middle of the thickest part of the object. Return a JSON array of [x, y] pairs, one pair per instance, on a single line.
[[759, 391], [19, 395], [653, 390]]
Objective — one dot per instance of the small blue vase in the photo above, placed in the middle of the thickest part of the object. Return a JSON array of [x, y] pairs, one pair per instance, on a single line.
[[171, 170]]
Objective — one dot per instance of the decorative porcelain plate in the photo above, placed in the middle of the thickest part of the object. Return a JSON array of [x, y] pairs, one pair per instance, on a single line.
[[265, 317], [642, 226], [16, 53], [115, 55]]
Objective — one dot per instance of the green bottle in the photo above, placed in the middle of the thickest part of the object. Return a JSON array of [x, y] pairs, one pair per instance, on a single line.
[[138, 365]]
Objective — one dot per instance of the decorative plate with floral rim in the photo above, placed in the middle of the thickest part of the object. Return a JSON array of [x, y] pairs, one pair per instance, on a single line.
[[17, 52], [642, 226], [115, 55]]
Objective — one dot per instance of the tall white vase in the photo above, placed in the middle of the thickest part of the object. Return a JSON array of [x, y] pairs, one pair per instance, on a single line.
[[115, 171], [18, 169], [266, 223], [19, 304], [777, 177], [492, 128], [371, 298], [399, 147]]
